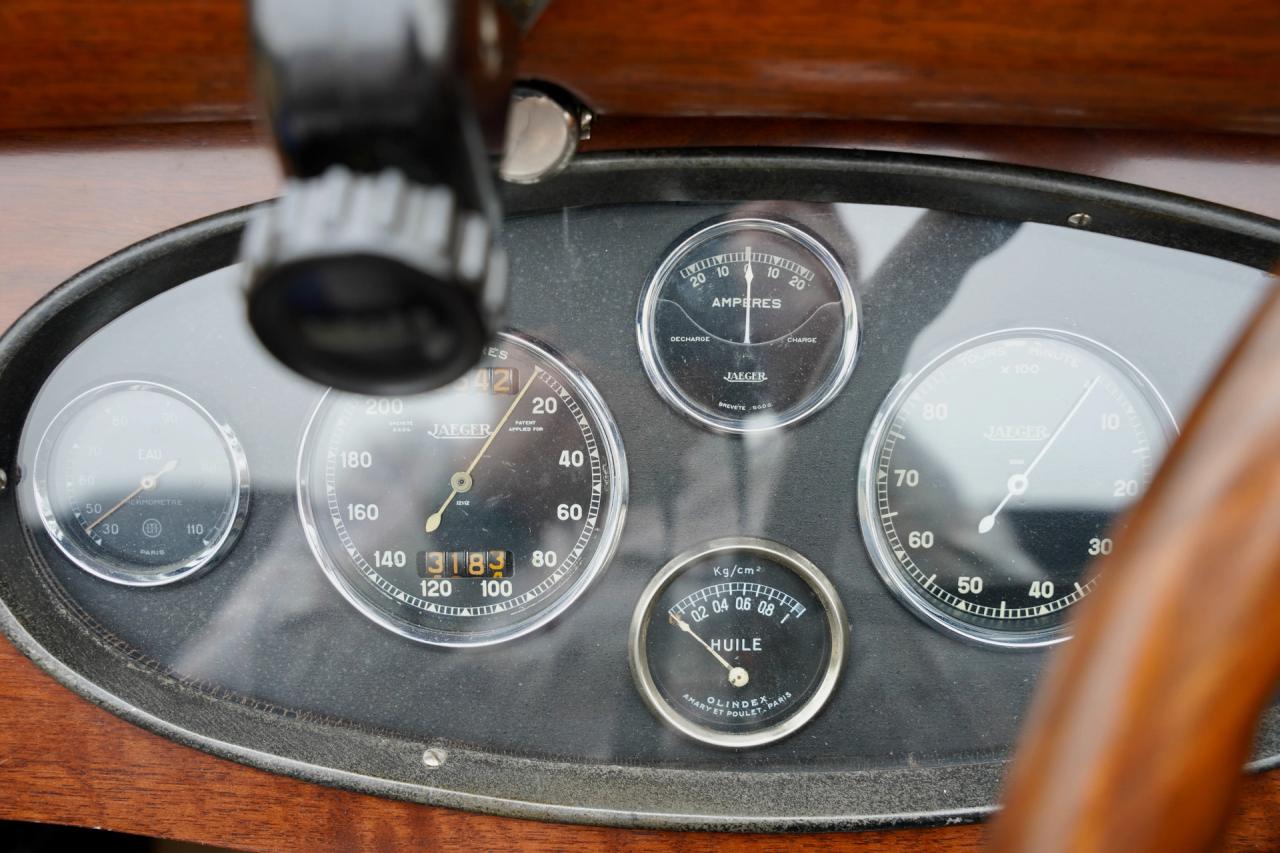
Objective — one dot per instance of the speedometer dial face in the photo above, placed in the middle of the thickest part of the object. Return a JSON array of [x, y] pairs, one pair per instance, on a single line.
[[996, 474], [738, 642], [472, 514], [749, 325]]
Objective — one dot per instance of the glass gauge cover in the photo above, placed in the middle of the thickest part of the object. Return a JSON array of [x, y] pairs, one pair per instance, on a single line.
[[138, 484], [748, 325], [738, 643], [472, 514], [995, 474]]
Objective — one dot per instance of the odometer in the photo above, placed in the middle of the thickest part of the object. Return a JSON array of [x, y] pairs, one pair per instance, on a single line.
[[996, 473], [472, 514]]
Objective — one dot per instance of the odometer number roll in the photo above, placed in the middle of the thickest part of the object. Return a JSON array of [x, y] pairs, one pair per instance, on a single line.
[[997, 473], [473, 514]]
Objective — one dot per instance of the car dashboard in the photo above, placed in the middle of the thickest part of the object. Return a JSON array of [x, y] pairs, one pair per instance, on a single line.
[[763, 511]]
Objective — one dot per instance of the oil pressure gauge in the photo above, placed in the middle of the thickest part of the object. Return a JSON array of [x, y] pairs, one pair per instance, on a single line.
[[749, 325], [738, 643]]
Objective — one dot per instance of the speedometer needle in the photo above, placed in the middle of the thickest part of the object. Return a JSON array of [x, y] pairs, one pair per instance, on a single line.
[[463, 478], [1018, 483], [750, 275], [148, 483], [737, 675]]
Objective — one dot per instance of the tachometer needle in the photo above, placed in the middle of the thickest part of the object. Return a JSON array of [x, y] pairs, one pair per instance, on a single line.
[[737, 675], [148, 483], [750, 275], [1018, 483], [464, 477]]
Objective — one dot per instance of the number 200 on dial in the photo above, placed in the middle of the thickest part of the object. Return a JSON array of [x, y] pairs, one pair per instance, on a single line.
[[472, 514]]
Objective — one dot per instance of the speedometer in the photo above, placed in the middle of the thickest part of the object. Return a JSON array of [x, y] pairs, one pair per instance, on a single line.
[[472, 514], [996, 473]]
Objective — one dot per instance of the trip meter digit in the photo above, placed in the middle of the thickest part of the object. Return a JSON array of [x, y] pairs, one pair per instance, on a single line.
[[749, 325], [995, 474], [472, 514], [738, 643]]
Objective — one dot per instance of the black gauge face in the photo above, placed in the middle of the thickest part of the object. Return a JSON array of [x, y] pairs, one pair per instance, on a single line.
[[738, 643], [749, 325], [995, 475], [137, 484], [474, 513]]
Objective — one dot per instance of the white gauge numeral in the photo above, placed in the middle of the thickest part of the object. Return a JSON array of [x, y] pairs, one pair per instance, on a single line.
[[935, 411], [545, 558], [362, 512], [1125, 488], [357, 459], [1099, 547], [1109, 421], [384, 406], [436, 588], [571, 458], [908, 477], [545, 405], [1041, 589], [970, 585], [496, 588], [920, 539], [390, 559], [569, 512]]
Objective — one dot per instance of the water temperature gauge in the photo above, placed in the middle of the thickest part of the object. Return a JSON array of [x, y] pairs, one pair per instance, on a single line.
[[749, 325], [139, 485], [738, 643]]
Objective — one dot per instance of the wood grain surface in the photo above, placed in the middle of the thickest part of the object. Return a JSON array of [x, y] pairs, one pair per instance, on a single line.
[[1141, 723], [1200, 64], [70, 198]]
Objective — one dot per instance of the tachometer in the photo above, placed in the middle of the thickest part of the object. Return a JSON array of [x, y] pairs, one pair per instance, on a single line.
[[995, 474], [749, 325], [472, 514]]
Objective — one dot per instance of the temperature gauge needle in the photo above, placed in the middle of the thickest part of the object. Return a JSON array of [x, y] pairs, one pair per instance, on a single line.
[[461, 481], [148, 483], [737, 675], [1018, 483]]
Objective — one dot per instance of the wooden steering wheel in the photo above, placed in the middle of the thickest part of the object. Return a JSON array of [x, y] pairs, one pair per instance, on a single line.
[[1142, 722]]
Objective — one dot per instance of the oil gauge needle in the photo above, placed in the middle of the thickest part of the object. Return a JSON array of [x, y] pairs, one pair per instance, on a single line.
[[463, 478], [148, 483], [737, 675], [1018, 483]]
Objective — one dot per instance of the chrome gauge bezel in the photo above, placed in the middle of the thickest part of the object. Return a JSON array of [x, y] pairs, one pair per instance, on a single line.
[[201, 561], [920, 604], [824, 394], [610, 529], [837, 627]]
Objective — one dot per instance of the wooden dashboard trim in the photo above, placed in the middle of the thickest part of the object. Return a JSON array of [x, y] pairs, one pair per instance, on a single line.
[[74, 197], [1186, 64]]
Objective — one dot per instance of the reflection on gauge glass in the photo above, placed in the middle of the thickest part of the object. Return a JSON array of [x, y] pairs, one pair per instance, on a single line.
[[749, 325], [139, 485], [995, 474], [738, 643], [472, 514]]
